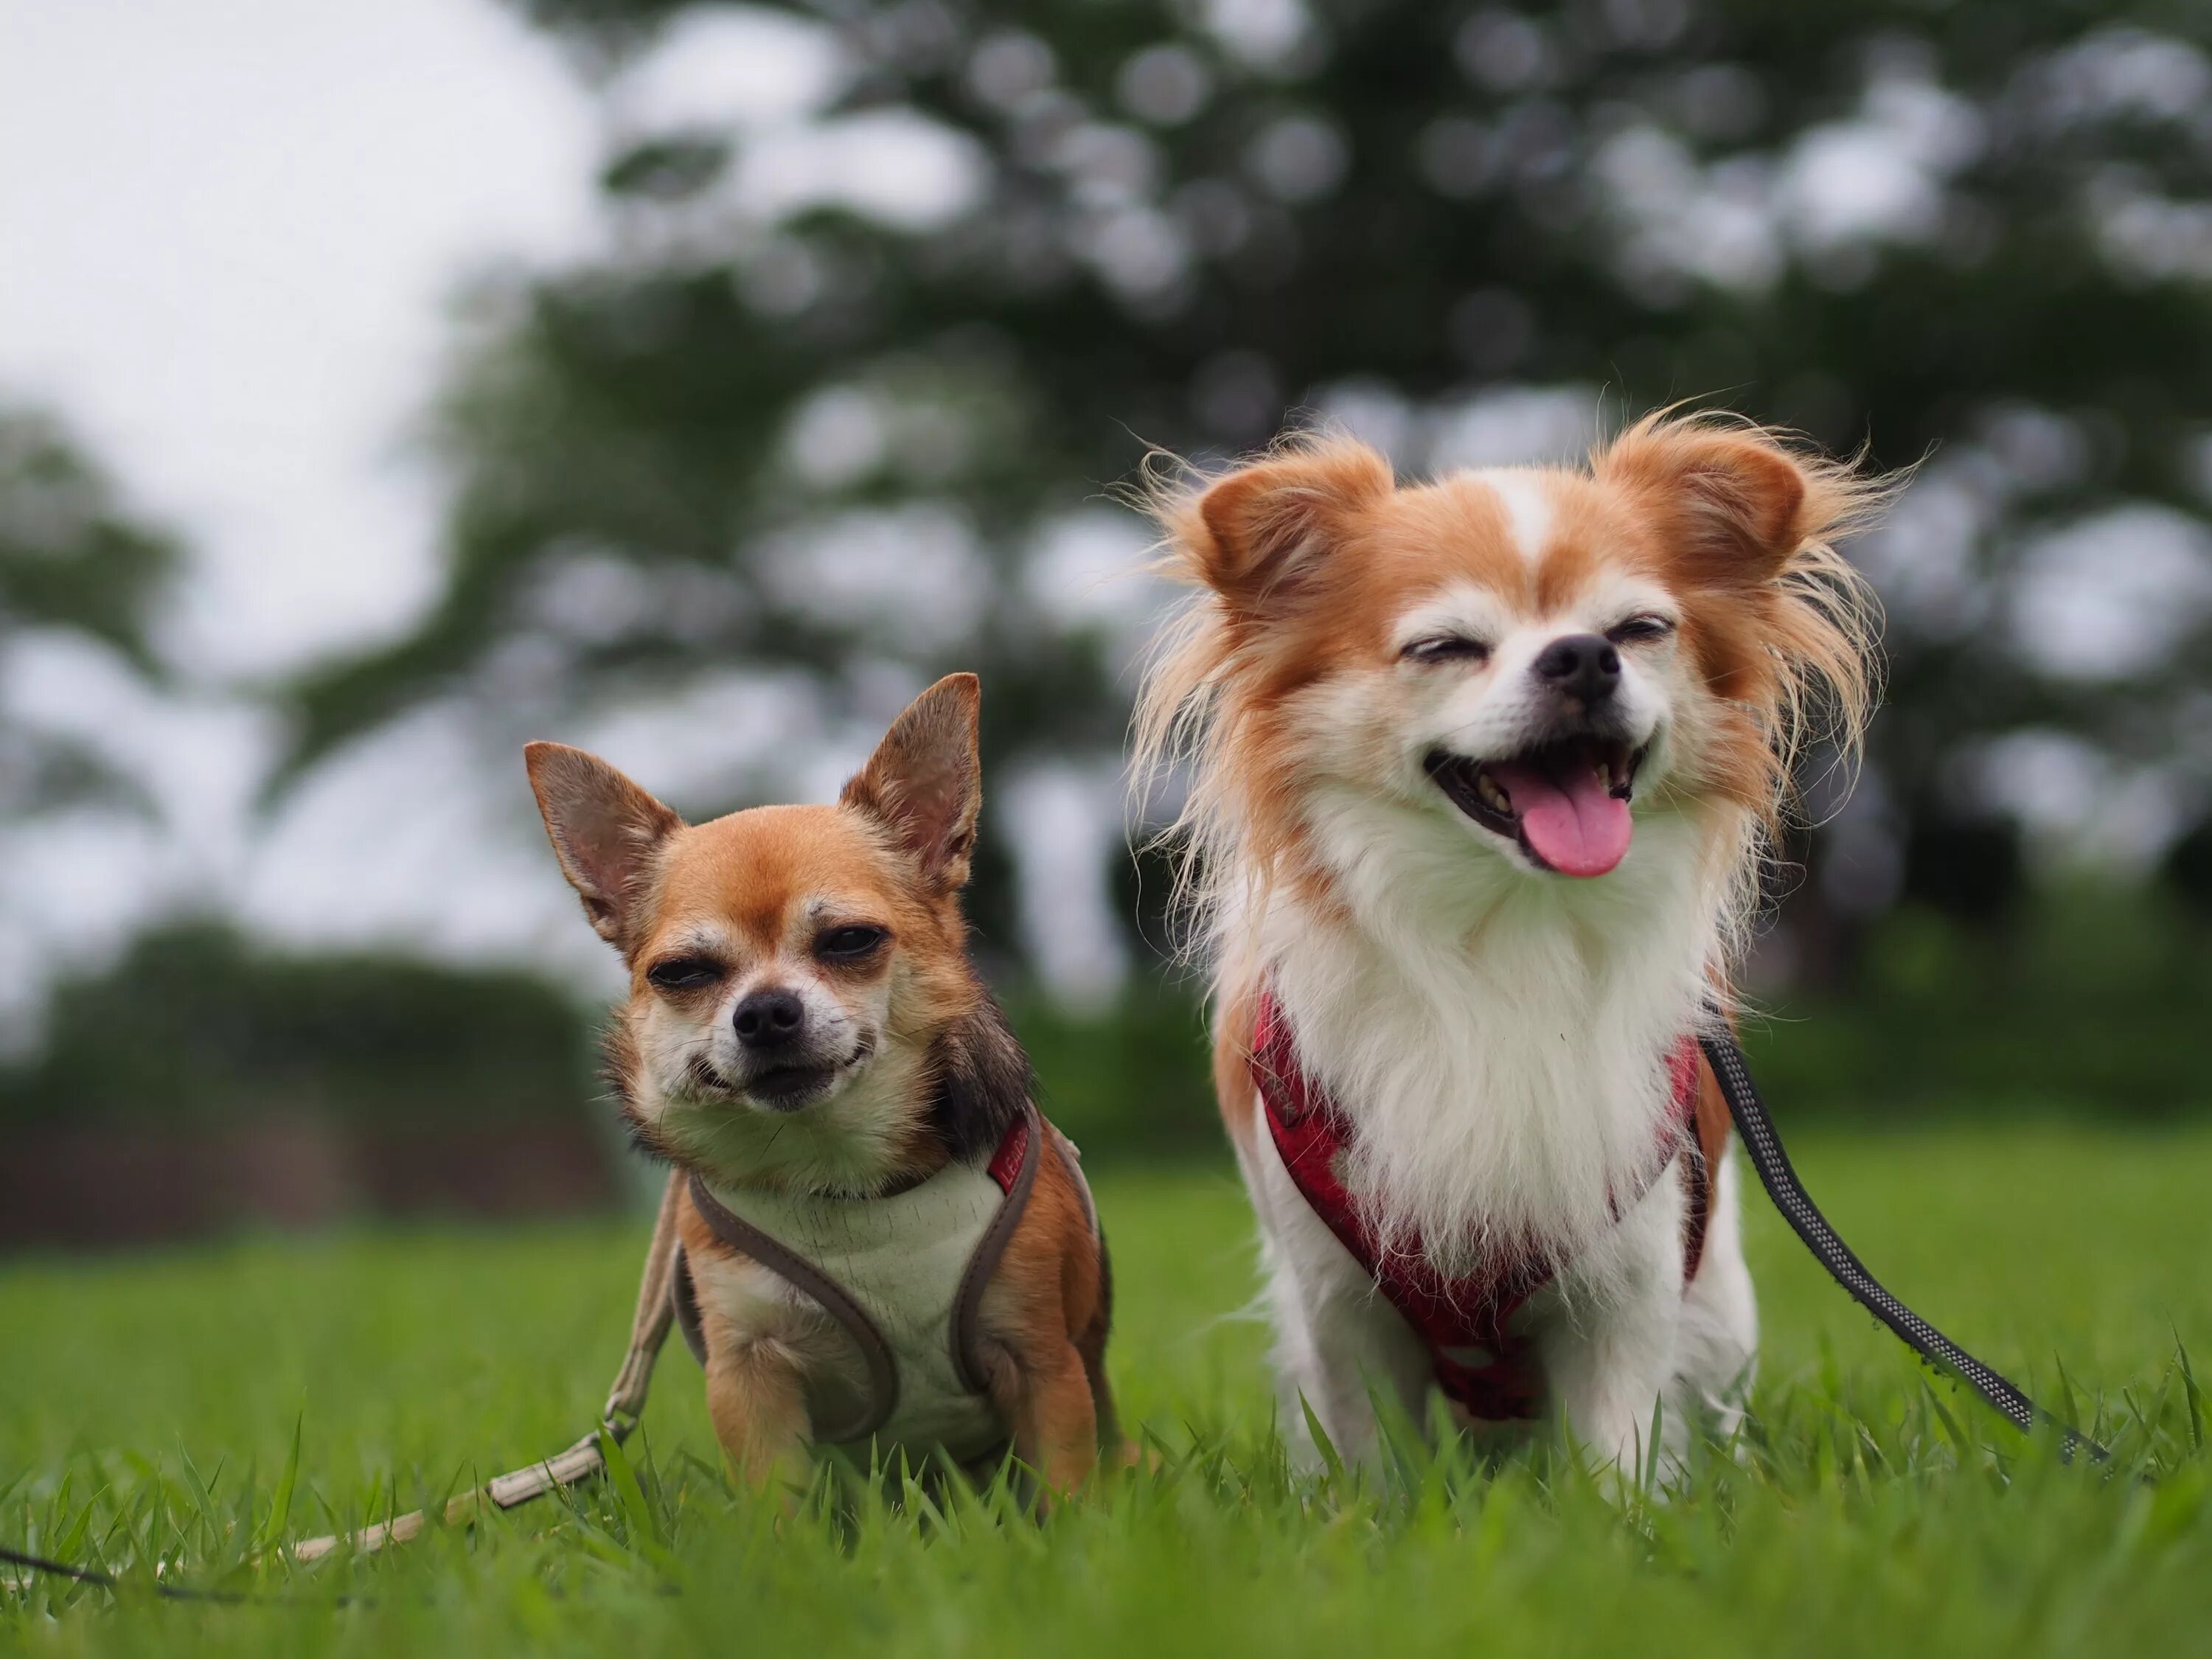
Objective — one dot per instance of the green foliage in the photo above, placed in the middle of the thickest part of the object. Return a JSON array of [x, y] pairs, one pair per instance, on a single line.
[[1189, 222], [197, 1024], [72, 560], [2093, 1001], [1130, 1082], [1866, 1511], [69, 556]]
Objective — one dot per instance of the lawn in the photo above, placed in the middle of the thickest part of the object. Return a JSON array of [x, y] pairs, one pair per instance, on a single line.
[[156, 1398]]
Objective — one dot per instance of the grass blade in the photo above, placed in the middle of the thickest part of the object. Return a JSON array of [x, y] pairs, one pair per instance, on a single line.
[[646, 1537], [1322, 1444], [272, 1528], [629, 1494]]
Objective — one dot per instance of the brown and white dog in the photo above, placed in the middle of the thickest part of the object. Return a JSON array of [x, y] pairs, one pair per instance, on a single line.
[[1482, 770], [805, 1036]]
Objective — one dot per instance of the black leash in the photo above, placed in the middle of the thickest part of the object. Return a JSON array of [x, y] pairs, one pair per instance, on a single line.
[[1780, 1180]]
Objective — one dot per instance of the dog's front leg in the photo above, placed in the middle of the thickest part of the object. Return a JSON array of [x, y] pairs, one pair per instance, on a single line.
[[1341, 1351], [1339, 1347], [1059, 1427], [758, 1407], [1046, 1398], [1611, 1353]]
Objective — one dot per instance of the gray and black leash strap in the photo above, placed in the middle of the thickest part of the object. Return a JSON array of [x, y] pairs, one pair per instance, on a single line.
[[1776, 1174], [100, 1579], [94, 1576]]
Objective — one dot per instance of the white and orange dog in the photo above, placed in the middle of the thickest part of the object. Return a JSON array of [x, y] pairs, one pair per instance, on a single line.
[[1481, 773]]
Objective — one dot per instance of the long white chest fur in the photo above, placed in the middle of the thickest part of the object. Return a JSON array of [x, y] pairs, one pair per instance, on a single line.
[[1499, 1048]]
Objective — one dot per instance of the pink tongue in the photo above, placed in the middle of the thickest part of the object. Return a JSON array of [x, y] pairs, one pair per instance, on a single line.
[[1574, 821]]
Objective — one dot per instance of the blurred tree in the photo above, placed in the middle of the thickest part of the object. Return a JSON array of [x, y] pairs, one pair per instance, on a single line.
[[821, 429], [2189, 869], [71, 560], [202, 1081], [223, 1028]]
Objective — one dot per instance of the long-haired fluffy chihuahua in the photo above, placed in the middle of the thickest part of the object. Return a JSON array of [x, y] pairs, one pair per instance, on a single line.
[[1482, 770], [883, 1243]]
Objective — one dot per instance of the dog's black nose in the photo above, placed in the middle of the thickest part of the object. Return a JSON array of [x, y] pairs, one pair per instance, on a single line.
[[767, 1019], [1583, 665]]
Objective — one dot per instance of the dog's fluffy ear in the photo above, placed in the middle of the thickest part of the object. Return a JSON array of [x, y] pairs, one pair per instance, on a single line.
[[1737, 503], [606, 830], [924, 782], [1254, 533]]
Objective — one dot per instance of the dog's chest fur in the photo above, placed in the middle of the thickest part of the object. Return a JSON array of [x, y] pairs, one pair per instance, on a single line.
[[1498, 1045], [756, 1306]]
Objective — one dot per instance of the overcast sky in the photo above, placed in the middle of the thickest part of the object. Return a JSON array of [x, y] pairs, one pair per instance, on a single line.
[[228, 233]]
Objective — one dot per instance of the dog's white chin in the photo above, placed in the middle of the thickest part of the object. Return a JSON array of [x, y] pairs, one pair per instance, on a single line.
[[842, 1139]]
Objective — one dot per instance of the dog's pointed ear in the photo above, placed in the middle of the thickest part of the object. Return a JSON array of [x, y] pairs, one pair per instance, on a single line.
[[924, 782], [1736, 501], [606, 830], [1253, 534]]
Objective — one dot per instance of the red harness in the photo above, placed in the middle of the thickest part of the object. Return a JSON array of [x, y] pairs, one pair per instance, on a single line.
[[1479, 1361]]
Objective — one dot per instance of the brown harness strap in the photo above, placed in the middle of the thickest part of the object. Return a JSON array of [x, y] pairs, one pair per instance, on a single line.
[[683, 1299], [788, 1265], [968, 1304]]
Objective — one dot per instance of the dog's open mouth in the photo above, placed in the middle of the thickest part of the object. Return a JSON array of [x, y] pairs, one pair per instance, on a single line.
[[1565, 803]]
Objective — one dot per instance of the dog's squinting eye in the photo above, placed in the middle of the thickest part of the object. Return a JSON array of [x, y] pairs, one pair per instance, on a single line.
[[684, 973], [1636, 629], [1446, 648], [849, 944]]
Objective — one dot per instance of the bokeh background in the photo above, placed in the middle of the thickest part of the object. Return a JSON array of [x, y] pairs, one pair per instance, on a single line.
[[381, 386]]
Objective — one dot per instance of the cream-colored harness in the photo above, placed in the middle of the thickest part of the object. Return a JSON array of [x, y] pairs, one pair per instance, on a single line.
[[902, 1276]]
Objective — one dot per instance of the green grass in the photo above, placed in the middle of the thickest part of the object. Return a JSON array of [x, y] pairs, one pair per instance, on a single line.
[[149, 1405]]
